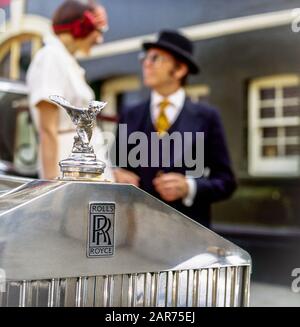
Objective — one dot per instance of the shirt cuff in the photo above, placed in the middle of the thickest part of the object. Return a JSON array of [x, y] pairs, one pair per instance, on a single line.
[[192, 189]]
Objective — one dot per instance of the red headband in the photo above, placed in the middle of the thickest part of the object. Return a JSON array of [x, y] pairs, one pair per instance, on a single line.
[[80, 27]]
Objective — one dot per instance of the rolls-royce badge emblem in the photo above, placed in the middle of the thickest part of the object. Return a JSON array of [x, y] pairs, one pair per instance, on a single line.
[[101, 229]]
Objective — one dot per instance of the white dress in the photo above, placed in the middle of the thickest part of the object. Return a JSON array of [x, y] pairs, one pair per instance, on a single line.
[[54, 71]]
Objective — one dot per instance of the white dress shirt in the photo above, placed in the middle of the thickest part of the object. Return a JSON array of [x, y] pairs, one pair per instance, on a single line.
[[172, 111]]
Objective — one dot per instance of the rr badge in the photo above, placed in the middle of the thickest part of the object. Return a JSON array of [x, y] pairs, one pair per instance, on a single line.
[[101, 241]]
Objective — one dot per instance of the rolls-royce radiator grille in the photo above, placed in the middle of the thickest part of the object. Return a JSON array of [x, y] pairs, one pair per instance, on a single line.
[[204, 288]]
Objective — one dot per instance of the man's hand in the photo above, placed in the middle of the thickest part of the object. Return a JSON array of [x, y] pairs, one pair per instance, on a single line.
[[171, 186], [126, 176]]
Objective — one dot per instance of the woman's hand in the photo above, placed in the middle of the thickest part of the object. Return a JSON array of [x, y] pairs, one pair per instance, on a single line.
[[126, 176]]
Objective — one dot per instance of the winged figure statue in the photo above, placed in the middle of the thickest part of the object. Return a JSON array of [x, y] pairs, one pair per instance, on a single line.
[[84, 119]]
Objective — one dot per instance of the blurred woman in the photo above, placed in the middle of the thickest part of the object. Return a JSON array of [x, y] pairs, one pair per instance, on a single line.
[[54, 71]]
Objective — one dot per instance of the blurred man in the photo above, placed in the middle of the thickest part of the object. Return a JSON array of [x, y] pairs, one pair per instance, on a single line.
[[166, 65]]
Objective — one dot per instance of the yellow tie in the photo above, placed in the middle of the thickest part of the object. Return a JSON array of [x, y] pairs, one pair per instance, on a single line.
[[162, 123]]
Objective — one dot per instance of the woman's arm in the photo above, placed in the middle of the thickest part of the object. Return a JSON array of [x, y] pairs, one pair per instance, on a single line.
[[48, 133]]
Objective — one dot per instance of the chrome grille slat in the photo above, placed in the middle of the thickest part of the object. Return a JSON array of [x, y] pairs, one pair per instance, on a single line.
[[106, 293], [99, 292], [215, 284], [54, 293], [175, 279], [182, 288], [168, 300], [34, 292], [189, 293], [125, 290], [233, 286], [196, 286], [140, 290], [133, 290], [14, 291], [116, 291], [226, 304], [221, 302], [203, 296], [154, 293], [162, 289], [246, 286], [147, 289], [69, 288], [208, 288]]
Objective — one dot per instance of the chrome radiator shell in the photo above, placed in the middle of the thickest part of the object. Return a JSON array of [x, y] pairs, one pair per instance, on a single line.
[[162, 258]]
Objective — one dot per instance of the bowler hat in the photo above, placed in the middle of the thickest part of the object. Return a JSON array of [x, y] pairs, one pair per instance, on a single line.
[[178, 45]]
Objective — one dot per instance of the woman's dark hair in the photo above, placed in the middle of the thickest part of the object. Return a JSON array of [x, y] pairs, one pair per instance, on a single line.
[[69, 11]]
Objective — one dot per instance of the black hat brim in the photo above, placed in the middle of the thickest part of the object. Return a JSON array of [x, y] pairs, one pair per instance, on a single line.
[[176, 52]]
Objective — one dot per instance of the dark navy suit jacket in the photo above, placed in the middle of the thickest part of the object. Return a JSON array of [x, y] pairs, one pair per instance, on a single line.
[[194, 117]]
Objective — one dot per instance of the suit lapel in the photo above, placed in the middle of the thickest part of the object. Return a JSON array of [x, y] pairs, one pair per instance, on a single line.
[[185, 122], [186, 119], [141, 116]]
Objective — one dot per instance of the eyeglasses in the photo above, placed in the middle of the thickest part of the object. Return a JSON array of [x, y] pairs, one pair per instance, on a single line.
[[152, 58]]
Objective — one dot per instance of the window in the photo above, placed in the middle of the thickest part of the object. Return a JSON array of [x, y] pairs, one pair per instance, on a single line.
[[274, 126], [115, 91], [16, 53]]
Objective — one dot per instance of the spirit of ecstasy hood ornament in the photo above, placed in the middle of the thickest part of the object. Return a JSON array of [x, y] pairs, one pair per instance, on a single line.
[[82, 163]]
